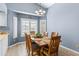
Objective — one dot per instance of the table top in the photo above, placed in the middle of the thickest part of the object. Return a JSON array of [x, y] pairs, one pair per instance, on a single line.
[[41, 41]]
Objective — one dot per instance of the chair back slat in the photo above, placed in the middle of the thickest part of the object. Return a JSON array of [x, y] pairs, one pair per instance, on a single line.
[[45, 34], [31, 45], [30, 42], [27, 44], [53, 34], [32, 32], [54, 43], [26, 40]]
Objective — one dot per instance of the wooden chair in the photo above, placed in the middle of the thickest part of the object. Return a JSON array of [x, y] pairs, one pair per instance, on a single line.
[[53, 34], [45, 34], [27, 44], [52, 48], [34, 48], [32, 33]]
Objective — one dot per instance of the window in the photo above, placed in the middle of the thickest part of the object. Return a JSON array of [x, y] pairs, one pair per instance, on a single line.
[[28, 25], [14, 27], [33, 25], [42, 26], [24, 26]]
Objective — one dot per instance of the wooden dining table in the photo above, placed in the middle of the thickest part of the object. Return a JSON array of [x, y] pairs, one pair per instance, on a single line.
[[41, 41]]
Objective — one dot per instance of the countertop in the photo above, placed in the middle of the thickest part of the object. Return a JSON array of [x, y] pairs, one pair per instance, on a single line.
[[3, 35]]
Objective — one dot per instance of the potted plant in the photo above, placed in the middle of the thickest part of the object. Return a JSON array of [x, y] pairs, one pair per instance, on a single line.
[[38, 35]]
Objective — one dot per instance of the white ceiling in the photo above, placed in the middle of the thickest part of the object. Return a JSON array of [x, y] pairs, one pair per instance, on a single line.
[[45, 5]]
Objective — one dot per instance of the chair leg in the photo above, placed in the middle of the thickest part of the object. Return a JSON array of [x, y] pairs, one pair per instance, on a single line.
[[28, 52], [56, 53], [32, 53]]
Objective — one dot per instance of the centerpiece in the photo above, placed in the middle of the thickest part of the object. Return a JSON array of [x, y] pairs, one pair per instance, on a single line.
[[39, 35]]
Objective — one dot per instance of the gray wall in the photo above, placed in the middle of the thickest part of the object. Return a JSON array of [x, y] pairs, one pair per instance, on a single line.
[[10, 26], [24, 7], [19, 24], [64, 18]]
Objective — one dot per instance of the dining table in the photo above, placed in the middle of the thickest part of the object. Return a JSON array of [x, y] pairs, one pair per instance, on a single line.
[[41, 41]]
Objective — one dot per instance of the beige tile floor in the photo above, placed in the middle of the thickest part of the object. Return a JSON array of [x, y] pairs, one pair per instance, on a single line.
[[17, 50]]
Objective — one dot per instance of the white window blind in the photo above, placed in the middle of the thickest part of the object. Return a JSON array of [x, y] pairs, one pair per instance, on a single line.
[[24, 26], [42, 26], [33, 25], [14, 27], [28, 25]]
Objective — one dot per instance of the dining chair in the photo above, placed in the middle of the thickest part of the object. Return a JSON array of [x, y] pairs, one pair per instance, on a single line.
[[52, 48], [32, 33], [27, 44], [34, 48], [45, 34], [53, 34]]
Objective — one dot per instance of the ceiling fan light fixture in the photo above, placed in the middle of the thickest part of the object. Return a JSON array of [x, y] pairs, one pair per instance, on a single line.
[[40, 12], [36, 12]]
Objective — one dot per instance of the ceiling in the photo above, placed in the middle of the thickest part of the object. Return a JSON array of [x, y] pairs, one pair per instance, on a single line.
[[45, 5]]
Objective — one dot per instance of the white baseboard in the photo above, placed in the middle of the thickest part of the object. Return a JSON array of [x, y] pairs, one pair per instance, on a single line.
[[15, 44], [64, 51]]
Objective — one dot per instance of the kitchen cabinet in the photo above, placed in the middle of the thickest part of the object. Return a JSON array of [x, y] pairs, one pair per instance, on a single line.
[[3, 14], [3, 43]]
